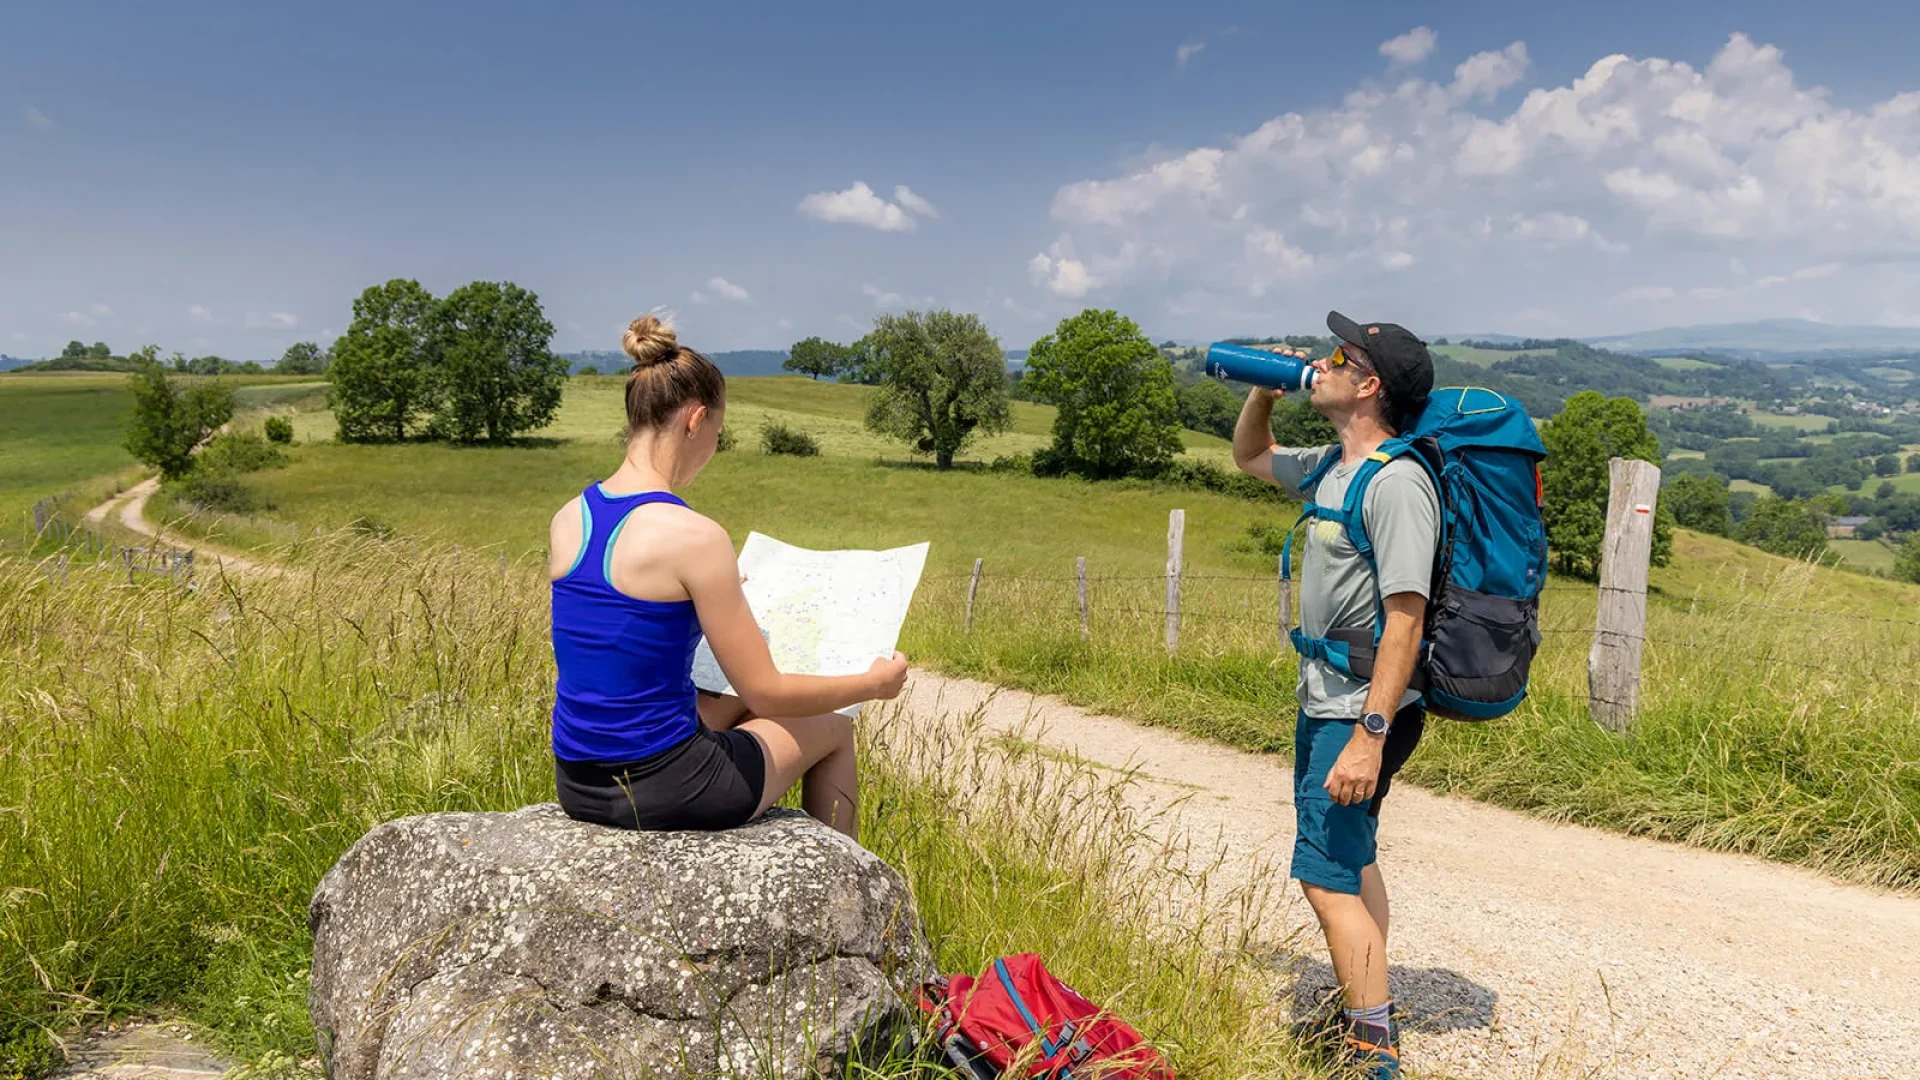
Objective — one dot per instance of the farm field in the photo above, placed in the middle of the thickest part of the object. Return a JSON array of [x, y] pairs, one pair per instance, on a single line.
[[1798, 422], [1682, 363], [57, 431], [1871, 555], [1485, 357]]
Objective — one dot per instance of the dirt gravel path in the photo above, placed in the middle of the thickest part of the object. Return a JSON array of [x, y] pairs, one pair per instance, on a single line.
[[1524, 948], [129, 510]]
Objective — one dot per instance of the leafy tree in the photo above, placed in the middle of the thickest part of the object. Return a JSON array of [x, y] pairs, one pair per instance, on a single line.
[[75, 350], [588, 370], [1871, 529], [302, 358], [1741, 504], [817, 358], [1210, 406], [496, 375], [167, 422], [1907, 562], [1698, 502], [861, 363], [1886, 465], [943, 379], [1590, 431], [1117, 413], [381, 365], [1787, 527], [1297, 423], [1885, 490], [1913, 462]]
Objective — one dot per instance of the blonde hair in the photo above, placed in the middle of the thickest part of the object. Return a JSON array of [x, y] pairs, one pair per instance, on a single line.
[[666, 375]]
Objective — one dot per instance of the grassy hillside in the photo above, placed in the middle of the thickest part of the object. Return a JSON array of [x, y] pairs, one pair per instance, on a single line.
[[57, 431]]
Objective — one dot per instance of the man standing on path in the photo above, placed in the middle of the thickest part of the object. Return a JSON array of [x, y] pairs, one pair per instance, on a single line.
[[1351, 734]]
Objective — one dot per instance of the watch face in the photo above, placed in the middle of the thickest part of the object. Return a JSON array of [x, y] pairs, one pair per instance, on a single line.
[[1375, 723]]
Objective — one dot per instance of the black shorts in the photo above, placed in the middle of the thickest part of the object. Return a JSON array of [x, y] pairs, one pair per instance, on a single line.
[[711, 781]]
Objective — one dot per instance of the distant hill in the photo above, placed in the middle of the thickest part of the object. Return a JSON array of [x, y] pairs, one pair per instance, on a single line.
[[740, 362], [75, 363], [1764, 336], [8, 363]]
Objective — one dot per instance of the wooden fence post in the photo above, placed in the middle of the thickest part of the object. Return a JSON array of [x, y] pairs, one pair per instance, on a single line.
[[1620, 626], [973, 586], [1176, 538], [1285, 597], [1080, 572]]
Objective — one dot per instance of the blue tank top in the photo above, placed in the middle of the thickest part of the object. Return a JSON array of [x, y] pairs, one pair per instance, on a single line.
[[625, 688]]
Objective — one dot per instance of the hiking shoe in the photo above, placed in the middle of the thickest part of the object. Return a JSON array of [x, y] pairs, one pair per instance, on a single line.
[[1324, 1029], [1372, 1051]]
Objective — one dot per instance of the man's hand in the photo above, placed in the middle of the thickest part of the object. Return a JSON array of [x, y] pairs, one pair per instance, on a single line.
[[1357, 771]]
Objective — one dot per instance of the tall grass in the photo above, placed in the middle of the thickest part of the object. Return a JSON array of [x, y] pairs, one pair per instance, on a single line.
[[178, 768], [1774, 721]]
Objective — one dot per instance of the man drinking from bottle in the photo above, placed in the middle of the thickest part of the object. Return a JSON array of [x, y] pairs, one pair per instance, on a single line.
[[1350, 735]]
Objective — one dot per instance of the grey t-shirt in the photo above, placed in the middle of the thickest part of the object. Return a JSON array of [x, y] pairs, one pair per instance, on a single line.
[[1337, 589]]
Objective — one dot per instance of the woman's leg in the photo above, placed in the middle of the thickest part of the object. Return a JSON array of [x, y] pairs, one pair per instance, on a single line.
[[817, 750], [721, 711]]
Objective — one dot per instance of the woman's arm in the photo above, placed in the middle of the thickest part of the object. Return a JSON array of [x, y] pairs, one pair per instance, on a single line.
[[712, 577]]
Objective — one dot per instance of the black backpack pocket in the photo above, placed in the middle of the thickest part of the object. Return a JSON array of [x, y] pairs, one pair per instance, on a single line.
[[1479, 648]]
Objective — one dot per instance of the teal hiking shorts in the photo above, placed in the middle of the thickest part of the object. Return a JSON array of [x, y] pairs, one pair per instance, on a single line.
[[1333, 843]]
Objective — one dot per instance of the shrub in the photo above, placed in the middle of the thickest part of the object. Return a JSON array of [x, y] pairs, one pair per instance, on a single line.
[[240, 452], [371, 525], [279, 430], [218, 490], [778, 438], [727, 440], [1013, 463], [1206, 476]]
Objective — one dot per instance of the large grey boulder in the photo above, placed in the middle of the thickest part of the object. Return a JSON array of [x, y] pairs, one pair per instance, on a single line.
[[527, 944]]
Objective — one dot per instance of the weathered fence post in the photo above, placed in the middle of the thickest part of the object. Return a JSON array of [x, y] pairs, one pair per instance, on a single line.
[[1176, 538], [973, 586], [1620, 626], [1080, 572], [1285, 597]]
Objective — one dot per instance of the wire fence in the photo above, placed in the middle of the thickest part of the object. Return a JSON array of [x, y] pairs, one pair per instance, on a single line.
[[1768, 632], [64, 544]]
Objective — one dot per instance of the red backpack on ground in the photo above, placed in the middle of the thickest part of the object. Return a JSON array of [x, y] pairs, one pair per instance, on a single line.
[[1018, 1020]]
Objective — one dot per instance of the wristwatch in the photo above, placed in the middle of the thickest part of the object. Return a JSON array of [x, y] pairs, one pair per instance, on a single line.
[[1376, 723]]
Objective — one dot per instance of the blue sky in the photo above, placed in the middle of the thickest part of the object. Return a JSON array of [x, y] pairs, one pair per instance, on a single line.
[[223, 177]]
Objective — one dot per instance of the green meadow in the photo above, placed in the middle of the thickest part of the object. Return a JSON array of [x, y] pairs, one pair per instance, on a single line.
[[1752, 660], [57, 431]]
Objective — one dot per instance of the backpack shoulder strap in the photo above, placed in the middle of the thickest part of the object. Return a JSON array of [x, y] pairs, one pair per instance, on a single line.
[[1309, 484]]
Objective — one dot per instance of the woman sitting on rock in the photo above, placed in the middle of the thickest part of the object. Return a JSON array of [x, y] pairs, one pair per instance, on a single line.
[[637, 577]]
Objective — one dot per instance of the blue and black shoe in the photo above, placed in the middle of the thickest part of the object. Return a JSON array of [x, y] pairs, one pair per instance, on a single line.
[[1373, 1051]]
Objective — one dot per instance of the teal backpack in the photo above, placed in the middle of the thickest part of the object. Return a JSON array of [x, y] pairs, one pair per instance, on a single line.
[[1483, 615]]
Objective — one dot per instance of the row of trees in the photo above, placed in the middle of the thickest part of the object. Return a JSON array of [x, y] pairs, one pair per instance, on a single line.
[[475, 366], [942, 380]]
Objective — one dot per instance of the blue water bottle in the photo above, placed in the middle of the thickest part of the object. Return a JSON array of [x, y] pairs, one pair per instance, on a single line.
[[1244, 363]]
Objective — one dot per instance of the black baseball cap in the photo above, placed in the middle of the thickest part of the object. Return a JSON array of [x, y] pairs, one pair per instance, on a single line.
[[1400, 359]]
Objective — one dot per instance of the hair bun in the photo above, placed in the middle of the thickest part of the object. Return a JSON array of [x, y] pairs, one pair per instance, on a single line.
[[649, 340]]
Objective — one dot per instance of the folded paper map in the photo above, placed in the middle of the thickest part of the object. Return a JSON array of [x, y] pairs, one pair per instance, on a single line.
[[823, 612]]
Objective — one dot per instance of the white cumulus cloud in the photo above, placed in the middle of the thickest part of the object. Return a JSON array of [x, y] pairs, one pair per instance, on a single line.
[[882, 298], [1186, 52], [1410, 47], [859, 205], [723, 288], [912, 203], [271, 320], [201, 315], [38, 120], [1429, 198]]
